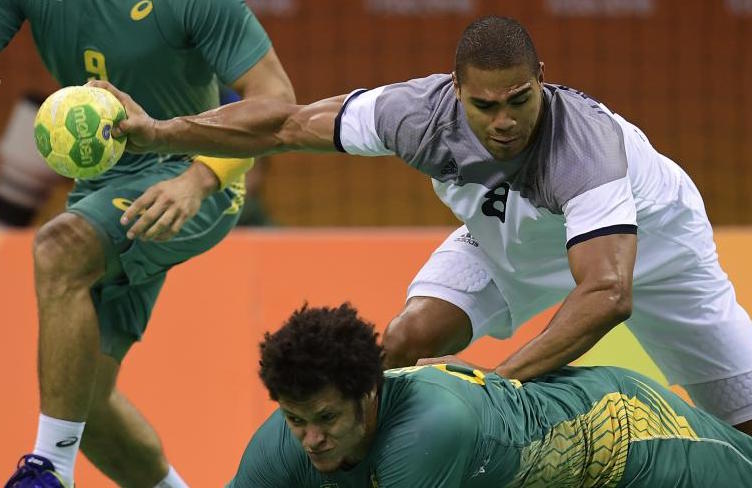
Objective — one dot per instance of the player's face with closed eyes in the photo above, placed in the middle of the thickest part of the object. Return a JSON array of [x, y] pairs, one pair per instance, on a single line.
[[333, 430], [502, 106]]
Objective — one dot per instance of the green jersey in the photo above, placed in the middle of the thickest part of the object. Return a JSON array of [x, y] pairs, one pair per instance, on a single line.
[[169, 55], [446, 426]]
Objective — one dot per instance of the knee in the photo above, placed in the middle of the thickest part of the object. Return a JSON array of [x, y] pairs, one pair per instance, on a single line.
[[427, 327], [403, 341], [67, 251]]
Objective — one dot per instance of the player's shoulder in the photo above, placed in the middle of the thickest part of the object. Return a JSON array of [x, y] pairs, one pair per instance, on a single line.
[[410, 115], [579, 119], [422, 93], [429, 392], [177, 18], [581, 146], [420, 408], [271, 455], [419, 101]]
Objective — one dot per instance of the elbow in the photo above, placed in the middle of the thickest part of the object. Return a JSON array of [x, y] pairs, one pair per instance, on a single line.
[[285, 134], [285, 94], [289, 96], [290, 134], [619, 297], [613, 298], [281, 128]]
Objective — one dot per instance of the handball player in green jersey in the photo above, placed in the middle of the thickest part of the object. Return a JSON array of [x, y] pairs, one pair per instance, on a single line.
[[95, 284], [342, 423]]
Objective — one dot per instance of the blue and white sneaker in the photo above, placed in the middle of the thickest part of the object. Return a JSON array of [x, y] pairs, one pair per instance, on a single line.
[[35, 472]]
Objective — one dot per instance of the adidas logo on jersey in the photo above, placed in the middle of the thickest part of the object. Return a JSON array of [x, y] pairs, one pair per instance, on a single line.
[[450, 168], [467, 238]]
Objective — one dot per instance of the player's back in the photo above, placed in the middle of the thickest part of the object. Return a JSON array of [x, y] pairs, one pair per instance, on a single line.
[[166, 54], [607, 426], [584, 427]]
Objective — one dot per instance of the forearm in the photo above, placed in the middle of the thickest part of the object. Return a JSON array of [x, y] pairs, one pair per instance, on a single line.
[[243, 129], [584, 318], [252, 128]]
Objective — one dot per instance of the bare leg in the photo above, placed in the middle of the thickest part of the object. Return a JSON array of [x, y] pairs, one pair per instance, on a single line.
[[427, 327], [68, 260], [76, 380], [117, 439]]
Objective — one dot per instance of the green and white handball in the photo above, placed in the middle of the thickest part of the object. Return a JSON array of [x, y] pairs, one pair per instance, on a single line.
[[73, 131]]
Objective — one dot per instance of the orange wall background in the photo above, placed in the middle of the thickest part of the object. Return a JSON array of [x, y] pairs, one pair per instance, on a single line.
[[194, 376]]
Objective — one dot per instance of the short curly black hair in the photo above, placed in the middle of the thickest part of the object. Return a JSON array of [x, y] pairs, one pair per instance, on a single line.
[[321, 347], [494, 42]]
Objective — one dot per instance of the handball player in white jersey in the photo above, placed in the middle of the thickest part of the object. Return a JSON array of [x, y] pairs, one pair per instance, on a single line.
[[585, 181], [562, 200]]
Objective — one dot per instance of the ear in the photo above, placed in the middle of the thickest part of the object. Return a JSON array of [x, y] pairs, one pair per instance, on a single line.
[[541, 69], [456, 85], [366, 401], [368, 398]]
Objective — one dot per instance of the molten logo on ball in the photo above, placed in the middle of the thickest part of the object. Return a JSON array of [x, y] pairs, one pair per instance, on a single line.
[[72, 131]]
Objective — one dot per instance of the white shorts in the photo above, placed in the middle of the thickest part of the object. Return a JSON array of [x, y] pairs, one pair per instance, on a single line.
[[459, 272], [729, 399], [690, 324]]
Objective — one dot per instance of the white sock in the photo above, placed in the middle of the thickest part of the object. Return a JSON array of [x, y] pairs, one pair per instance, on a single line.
[[58, 440], [172, 480]]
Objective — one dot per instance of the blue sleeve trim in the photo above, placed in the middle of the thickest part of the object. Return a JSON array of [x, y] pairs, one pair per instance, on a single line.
[[338, 120], [603, 231]]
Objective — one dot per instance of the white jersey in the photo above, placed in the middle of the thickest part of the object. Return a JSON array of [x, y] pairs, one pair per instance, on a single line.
[[587, 173]]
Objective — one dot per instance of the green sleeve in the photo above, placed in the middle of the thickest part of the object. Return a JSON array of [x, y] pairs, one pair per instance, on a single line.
[[271, 459], [226, 32], [11, 18], [435, 450]]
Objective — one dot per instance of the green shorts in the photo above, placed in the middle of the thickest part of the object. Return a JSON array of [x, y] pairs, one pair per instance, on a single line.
[[135, 270]]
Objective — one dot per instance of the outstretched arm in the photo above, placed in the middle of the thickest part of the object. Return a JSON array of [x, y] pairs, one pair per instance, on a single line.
[[241, 129], [254, 128]]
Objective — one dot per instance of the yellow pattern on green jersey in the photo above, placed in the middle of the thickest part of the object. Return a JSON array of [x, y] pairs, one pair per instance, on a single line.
[[591, 449]]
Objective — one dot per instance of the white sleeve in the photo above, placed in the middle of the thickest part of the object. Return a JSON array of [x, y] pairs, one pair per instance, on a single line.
[[603, 210], [355, 126]]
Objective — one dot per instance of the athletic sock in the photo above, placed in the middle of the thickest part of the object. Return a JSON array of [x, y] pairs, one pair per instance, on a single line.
[[58, 440], [172, 480]]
